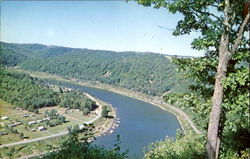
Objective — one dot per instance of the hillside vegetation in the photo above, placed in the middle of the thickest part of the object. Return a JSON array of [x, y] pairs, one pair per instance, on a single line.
[[149, 73], [30, 93]]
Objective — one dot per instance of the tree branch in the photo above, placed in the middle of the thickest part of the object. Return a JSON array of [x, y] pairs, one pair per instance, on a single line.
[[226, 14], [224, 41], [218, 18], [240, 34]]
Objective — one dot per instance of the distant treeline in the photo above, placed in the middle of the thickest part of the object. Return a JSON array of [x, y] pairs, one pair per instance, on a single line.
[[149, 73], [30, 93]]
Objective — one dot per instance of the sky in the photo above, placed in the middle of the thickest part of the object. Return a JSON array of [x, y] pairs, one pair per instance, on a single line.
[[102, 25]]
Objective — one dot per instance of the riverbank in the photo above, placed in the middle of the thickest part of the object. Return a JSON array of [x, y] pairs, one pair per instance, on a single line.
[[184, 119], [102, 125]]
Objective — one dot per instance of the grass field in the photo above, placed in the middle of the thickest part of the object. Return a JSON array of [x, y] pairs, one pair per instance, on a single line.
[[101, 126], [73, 117]]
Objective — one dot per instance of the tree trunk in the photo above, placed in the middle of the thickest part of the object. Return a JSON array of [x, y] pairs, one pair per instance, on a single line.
[[213, 128], [213, 140]]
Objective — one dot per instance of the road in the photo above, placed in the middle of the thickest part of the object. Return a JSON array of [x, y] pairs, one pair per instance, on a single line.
[[57, 134], [33, 140]]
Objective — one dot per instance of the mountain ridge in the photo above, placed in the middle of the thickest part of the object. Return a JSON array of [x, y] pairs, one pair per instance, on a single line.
[[146, 72]]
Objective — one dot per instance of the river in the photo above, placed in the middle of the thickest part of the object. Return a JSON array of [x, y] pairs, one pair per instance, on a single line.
[[141, 123]]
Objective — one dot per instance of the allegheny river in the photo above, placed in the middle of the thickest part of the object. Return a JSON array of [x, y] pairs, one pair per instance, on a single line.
[[140, 124]]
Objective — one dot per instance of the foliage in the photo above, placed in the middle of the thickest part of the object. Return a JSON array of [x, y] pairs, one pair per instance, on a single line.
[[80, 101], [10, 58], [149, 73], [189, 146], [196, 106], [235, 117], [208, 18], [24, 91], [55, 118], [77, 147], [31, 93], [105, 112], [11, 130]]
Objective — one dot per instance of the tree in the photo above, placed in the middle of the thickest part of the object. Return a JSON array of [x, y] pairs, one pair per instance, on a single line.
[[53, 114], [36, 111], [11, 152], [78, 145], [21, 135], [31, 108], [62, 119], [105, 112], [60, 90], [222, 24], [85, 111]]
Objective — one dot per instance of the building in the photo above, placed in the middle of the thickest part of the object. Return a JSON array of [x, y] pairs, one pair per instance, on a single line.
[[39, 121], [46, 119], [81, 127], [15, 124], [41, 128], [32, 122], [3, 133], [25, 115], [18, 108], [4, 117]]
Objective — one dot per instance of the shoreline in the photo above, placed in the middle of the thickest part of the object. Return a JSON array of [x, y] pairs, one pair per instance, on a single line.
[[184, 120], [111, 128], [110, 123], [98, 117], [98, 121]]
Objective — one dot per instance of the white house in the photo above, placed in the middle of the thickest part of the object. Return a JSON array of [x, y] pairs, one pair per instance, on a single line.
[[32, 122], [4, 117], [39, 121], [81, 127], [41, 128], [25, 115]]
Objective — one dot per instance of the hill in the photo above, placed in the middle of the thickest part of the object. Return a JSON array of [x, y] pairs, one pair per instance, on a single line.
[[149, 73]]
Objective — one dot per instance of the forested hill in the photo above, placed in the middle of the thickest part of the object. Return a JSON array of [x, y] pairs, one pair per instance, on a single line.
[[149, 73]]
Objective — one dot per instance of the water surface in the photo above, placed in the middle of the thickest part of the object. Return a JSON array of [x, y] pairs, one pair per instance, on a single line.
[[141, 123]]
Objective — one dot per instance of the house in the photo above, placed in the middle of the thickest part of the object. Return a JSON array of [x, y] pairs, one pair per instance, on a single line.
[[18, 108], [39, 121], [33, 129], [46, 119], [4, 117], [41, 128], [3, 133], [25, 115], [32, 122], [15, 124], [12, 125], [19, 123], [81, 127], [31, 115]]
